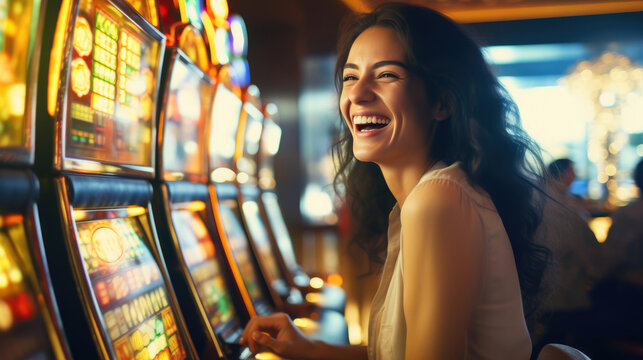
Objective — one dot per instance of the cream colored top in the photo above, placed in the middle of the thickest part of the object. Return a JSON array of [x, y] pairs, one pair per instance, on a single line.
[[497, 328]]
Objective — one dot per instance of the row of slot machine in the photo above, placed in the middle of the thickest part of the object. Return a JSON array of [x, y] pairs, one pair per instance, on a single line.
[[138, 212]]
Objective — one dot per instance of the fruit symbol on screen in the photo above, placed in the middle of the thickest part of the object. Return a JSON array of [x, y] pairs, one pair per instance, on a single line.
[[107, 244], [83, 37], [80, 77]]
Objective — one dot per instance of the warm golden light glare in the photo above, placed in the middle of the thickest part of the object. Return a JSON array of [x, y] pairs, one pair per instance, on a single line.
[[266, 356], [314, 298], [56, 56], [305, 323], [79, 215], [600, 226], [83, 38], [136, 211], [220, 11], [209, 29], [196, 206], [15, 275], [223, 174], [80, 77], [352, 320], [243, 178], [154, 16], [6, 316], [611, 86], [16, 95], [316, 283], [335, 279]]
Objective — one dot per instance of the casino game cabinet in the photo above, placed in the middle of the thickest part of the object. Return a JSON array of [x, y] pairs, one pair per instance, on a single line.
[[115, 296]]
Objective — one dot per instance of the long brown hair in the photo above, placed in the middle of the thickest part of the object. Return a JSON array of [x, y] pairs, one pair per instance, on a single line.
[[483, 134]]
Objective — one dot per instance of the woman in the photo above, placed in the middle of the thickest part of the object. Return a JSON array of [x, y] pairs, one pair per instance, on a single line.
[[434, 141]]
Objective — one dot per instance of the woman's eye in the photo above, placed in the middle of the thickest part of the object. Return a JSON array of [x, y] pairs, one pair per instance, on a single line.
[[388, 75], [349, 77]]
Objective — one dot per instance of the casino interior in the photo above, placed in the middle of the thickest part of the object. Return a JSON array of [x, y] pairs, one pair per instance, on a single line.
[[165, 169]]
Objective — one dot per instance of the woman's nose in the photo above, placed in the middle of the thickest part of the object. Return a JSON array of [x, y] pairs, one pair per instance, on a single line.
[[361, 91]]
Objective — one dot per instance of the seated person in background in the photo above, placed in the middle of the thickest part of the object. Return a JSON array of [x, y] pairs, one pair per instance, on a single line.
[[624, 243], [562, 176], [617, 311], [576, 267], [576, 261]]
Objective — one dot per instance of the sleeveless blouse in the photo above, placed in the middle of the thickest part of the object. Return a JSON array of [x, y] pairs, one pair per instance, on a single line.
[[497, 328]]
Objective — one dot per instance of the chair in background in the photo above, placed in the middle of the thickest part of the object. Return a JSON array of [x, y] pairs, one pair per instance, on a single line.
[[561, 352]]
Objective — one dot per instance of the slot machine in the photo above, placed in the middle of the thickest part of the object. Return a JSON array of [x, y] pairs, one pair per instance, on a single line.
[[330, 325], [226, 110], [30, 325], [211, 302], [329, 297], [95, 167]]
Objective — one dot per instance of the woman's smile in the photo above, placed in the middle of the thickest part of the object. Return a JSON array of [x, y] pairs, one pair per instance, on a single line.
[[366, 125]]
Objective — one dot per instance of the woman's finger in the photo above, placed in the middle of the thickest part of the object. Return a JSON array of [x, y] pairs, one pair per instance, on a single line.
[[272, 324], [268, 342]]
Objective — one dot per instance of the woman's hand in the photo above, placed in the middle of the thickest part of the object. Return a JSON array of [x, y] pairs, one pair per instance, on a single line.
[[277, 333]]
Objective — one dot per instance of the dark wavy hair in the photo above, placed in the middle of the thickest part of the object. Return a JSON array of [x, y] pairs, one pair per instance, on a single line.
[[557, 167], [483, 134]]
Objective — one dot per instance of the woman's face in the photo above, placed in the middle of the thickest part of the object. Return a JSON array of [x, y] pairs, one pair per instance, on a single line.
[[384, 105]]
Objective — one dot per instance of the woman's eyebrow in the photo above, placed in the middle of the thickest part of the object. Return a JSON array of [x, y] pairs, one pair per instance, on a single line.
[[379, 64]]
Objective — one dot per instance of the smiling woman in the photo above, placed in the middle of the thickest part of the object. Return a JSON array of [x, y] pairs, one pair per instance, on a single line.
[[383, 104], [433, 161]]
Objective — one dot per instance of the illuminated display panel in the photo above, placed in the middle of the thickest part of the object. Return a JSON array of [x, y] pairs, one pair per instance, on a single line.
[[184, 119], [127, 284], [270, 139], [199, 254], [112, 90], [259, 234], [279, 229], [226, 110], [22, 329], [251, 137], [240, 247], [18, 19]]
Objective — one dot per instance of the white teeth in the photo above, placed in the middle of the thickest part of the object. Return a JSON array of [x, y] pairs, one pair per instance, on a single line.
[[362, 120]]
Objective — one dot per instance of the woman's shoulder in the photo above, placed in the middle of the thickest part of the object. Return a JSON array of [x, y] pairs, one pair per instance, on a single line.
[[447, 186]]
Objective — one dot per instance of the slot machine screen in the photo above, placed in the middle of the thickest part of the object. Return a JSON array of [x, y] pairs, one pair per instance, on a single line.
[[129, 290], [199, 253], [270, 139], [18, 20], [260, 236], [226, 110], [279, 228], [241, 249], [109, 107], [22, 329], [251, 137], [186, 106]]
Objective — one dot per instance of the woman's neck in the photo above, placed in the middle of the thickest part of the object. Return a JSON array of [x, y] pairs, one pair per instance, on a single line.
[[401, 179]]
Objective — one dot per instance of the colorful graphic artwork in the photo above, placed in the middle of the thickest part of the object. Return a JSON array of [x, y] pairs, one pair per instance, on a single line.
[[199, 253], [128, 286]]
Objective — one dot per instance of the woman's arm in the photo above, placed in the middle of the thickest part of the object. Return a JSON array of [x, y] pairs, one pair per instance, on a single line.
[[443, 250], [277, 333]]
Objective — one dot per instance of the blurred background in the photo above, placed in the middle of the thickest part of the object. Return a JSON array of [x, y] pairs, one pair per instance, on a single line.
[[574, 68]]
